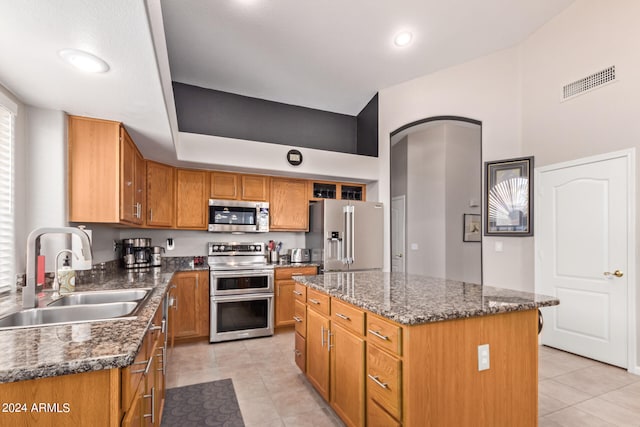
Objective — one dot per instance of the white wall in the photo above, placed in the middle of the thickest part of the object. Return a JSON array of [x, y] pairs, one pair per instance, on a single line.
[[587, 37], [488, 90], [463, 175], [426, 235], [238, 154]]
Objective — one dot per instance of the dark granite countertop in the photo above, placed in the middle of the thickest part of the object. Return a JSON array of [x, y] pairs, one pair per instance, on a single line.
[[296, 265], [46, 351], [412, 299]]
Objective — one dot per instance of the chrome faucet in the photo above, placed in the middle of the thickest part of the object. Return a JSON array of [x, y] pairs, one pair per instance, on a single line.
[[29, 298]]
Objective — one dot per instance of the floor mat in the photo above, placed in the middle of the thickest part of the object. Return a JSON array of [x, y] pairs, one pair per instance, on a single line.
[[207, 404]]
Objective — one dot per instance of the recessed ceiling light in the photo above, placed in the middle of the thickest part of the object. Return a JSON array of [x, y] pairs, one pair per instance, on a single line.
[[403, 38], [84, 61]]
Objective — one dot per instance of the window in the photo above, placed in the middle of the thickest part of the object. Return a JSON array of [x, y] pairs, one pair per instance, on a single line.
[[8, 111]]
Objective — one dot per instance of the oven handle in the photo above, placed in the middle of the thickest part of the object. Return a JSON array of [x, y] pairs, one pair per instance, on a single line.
[[241, 273], [243, 297]]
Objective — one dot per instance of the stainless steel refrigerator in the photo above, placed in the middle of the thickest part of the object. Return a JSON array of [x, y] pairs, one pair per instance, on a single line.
[[346, 235]]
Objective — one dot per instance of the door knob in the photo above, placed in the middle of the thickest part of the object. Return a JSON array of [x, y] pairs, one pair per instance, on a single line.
[[616, 273]]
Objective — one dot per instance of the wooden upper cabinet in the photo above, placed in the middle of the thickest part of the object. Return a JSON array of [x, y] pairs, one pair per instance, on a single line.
[[133, 181], [289, 205], [102, 172], [160, 195], [224, 186], [254, 188], [191, 199], [233, 186]]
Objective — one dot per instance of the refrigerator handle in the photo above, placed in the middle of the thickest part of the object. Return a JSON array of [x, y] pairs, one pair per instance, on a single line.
[[352, 235], [344, 256]]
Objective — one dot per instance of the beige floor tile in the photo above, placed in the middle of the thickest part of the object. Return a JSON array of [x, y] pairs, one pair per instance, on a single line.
[[315, 418], [597, 379], [294, 402], [572, 417], [563, 393], [258, 410], [610, 412], [627, 397], [548, 405], [269, 423]]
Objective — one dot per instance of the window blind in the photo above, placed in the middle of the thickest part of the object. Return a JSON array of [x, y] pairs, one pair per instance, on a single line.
[[7, 248]]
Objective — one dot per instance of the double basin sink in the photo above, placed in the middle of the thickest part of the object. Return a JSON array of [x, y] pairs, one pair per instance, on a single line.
[[81, 307]]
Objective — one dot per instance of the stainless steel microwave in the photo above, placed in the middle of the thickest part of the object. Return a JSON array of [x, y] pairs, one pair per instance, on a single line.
[[238, 216]]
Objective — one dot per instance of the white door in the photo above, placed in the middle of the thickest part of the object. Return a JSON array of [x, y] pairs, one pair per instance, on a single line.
[[398, 234], [582, 246]]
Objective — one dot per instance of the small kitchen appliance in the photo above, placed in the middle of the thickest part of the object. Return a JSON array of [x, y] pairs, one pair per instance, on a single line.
[[136, 252], [300, 255], [238, 216]]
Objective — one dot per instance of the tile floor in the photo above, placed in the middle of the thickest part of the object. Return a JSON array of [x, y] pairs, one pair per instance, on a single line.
[[271, 391]]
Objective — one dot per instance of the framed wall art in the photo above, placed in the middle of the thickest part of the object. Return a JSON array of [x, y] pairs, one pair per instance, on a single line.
[[508, 201], [472, 228]]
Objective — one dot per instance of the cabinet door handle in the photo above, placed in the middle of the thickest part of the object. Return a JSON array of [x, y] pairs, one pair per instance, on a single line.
[[144, 371], [378, 334], [154, 328], [298, 353], [297, 319], [150, 214], [297, 293], [342, 316], [322, 337], [314, 301], [375, 379], [329, 340], [153, 405]]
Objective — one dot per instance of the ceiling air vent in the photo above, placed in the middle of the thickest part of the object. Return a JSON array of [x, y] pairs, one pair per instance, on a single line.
[[589, 83]]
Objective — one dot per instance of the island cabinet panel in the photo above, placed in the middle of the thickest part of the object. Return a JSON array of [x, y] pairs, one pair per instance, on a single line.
[[347, 316], [191, 200], [318, 352], [347, 375], [190, 306], [288, 205], [442, 383], [160, 195]]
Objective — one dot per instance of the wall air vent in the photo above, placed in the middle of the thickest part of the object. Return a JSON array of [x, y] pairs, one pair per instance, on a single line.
[[589, 83]]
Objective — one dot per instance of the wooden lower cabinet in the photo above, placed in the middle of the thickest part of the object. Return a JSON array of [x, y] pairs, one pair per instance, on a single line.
[[301, 352], [421, 375], [191, 305], [377, 417], [285, 294], [347, 375], [318, 352]]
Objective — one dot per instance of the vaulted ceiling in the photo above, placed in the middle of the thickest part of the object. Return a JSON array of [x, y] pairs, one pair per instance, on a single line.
[[332, 55]]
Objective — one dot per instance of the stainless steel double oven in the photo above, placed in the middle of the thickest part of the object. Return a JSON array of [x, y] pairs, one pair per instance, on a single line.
[[241, 289]]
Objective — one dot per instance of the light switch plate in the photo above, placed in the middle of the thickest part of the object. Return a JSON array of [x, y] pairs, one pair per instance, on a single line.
[[483, 357]]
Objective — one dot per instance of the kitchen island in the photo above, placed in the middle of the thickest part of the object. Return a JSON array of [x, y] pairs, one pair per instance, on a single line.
[[391, 349]]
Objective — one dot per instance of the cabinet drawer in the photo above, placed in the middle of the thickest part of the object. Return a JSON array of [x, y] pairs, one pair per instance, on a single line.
[[300, 352], [300, 293], [318, 301], [378, 417], [384, 380], [384, 334], [300, 318], [134, 373], [348, 316], [289, 272]]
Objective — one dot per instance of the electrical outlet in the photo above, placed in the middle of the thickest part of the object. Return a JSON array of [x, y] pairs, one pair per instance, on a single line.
[[170, 244], [483, 357]]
